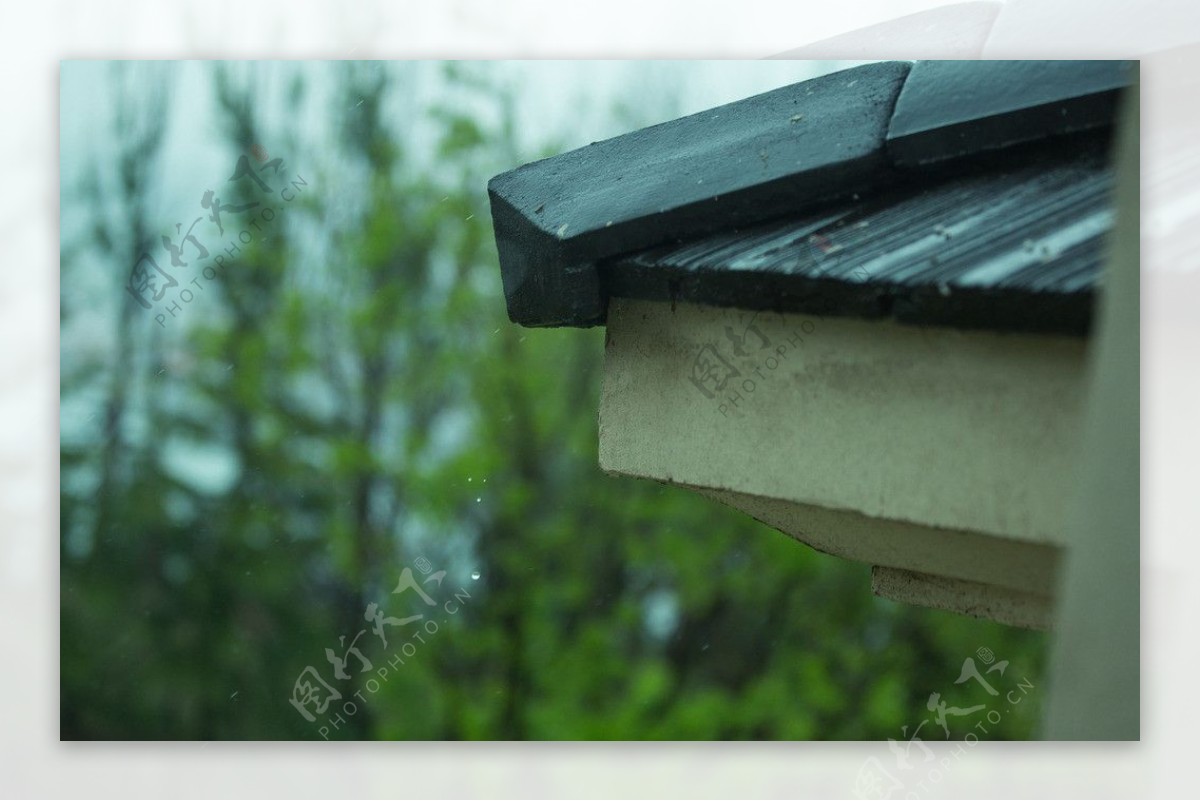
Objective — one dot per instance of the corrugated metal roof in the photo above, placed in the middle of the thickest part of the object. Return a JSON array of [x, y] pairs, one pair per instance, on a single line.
[[959, 247], [1018, 245]]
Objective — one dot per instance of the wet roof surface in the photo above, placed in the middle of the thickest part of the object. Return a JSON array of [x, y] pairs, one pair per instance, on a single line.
[[932, 193], [1016, 247]]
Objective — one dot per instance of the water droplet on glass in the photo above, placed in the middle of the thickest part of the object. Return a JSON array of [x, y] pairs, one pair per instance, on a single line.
[[468, 479], [477, 500], [474, 575]]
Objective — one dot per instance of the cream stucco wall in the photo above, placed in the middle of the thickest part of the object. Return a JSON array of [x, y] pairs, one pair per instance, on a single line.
[[945, 452], [960, 430]]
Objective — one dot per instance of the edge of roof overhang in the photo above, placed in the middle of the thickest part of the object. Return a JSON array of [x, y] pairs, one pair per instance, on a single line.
[[781, 152]]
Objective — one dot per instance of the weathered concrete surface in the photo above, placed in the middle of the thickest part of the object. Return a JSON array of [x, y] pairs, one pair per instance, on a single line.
[[945, 453], [970, 556], [1011, 607], [953, 430]]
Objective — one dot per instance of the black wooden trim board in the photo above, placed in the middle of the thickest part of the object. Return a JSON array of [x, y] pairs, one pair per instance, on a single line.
[[964, 193]]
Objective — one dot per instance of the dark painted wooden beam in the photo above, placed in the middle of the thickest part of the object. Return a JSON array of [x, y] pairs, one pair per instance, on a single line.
[[950, 109], [628, 216], [739, 164]]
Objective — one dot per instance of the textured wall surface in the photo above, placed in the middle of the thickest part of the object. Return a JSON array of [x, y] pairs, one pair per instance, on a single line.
[[961, 430]]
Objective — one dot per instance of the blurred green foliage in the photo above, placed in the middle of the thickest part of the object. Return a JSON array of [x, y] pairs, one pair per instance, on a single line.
[[357, 367]]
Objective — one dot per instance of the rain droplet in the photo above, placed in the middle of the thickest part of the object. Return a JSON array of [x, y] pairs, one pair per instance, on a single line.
[[468, 479], [477, 500], [474, 575]]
